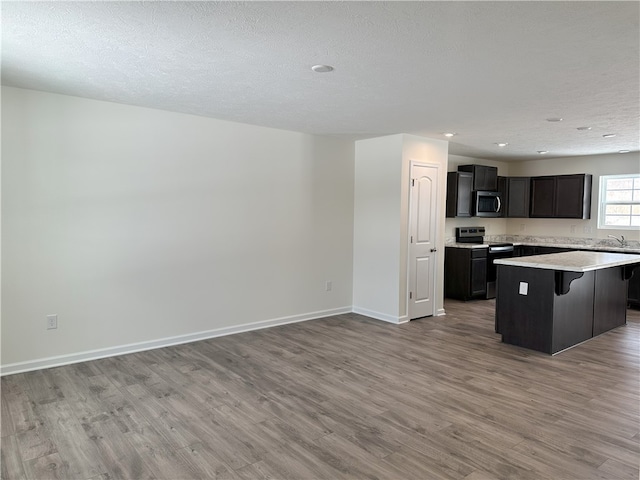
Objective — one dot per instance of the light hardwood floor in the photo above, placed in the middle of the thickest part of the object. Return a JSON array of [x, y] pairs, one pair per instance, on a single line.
[[343, 397]]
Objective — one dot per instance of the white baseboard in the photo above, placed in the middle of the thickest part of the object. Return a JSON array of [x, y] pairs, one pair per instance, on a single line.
[[60, 360], [380, 316], [440, 312]]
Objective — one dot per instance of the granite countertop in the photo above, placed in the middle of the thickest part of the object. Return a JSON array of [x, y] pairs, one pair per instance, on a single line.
[[603, 248], [577, 261], [583, 247], [467, 245]]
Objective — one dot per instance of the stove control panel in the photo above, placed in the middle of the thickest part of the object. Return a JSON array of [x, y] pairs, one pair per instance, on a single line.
[[469, 234]]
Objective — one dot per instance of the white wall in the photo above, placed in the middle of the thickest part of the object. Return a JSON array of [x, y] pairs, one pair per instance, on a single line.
[[137, 225], [493, 226], [377, 223], [612, 164], [381, 216], [431, 151]]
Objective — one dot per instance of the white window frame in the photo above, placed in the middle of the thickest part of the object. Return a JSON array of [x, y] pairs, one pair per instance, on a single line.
[[602, 203]]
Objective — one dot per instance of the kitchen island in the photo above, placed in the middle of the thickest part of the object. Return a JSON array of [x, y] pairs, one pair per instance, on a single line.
[[552, 302]]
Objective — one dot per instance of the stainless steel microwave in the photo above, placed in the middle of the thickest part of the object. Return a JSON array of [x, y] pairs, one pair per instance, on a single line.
[[487, 204]]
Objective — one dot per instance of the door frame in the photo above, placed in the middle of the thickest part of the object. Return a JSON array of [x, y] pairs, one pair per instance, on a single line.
[[437, 167]]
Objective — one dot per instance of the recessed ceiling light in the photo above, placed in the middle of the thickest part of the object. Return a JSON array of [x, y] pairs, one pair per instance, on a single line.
[[609, 135], [542, 152], [624, 151], [502, 144], [554, 119], [322, 68], [449, 134], [584, 128]]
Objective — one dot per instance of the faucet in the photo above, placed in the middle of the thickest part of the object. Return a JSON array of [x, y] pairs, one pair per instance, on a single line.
[[621, 240]]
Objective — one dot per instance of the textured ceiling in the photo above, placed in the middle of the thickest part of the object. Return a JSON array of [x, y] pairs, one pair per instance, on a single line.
[[490, 71]]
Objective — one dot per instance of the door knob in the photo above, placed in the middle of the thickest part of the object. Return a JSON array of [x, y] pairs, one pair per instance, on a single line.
[[434, 250]]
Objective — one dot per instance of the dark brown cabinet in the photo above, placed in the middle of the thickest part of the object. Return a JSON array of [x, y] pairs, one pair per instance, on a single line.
[[573, 196], [517, 197], [634, 289], [484, 177], [561, 196], [504, 195], [459, 194], [633, 297], [465, 274], [542, 196], [549, 319]]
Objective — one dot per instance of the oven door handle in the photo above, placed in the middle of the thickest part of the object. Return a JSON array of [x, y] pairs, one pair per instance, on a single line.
[[506, 248]]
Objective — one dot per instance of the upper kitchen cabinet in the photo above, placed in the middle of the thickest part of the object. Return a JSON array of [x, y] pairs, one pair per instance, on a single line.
[[517, 197], [459, 194], [573, 196], [542, 196], [561, 196], [484, 177], [502, 190]]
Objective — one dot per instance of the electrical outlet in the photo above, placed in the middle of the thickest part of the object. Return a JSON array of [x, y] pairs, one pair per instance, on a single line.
[[587, 229], [522, 227], [328, 286], [524, 288], [573, 229], [52, 322]]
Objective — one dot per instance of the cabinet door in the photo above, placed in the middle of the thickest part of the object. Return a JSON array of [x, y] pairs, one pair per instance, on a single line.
[[504, 195], [573, 196], [464, 195], [456, 273], [459, 194], [518, 197], [484, 177], [478, 276], [543, 196]]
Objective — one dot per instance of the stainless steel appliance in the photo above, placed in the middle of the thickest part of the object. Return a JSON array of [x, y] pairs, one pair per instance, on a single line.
[[487, 204], [495, 250]]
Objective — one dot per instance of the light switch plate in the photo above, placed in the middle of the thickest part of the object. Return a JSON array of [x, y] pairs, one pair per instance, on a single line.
[[524, 288]]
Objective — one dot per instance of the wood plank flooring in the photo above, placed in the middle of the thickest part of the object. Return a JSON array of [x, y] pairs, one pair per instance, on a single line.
[[339, 398]]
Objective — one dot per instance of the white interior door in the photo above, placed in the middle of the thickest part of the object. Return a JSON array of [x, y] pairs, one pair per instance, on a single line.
[[422, 246]]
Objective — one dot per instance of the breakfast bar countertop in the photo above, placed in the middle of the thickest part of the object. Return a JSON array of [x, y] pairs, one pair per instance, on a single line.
[[576, 261]]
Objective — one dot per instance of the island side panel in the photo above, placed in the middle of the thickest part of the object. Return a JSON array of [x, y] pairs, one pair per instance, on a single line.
[[610, 303], [573, 313], [525, 320]]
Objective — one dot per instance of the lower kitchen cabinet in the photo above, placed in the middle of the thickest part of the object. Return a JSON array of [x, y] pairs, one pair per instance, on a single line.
[[634, 289], [529, 250], [543, 250], [633, 298], [465, 275]]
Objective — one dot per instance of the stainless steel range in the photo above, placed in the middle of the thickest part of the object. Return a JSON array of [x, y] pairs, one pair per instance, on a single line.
[[495, 250]]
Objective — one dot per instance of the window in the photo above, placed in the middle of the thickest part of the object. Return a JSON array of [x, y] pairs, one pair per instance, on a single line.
[[619, 202]]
